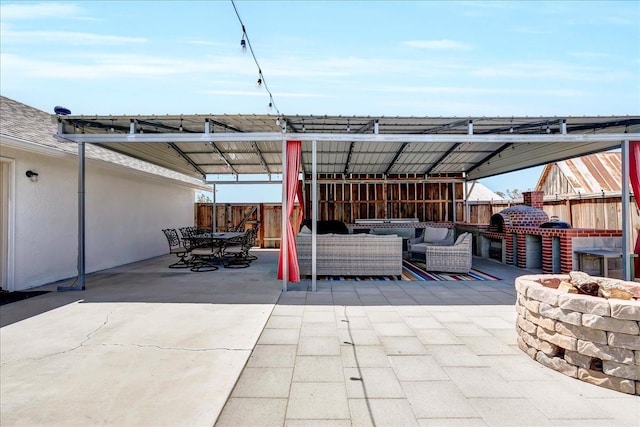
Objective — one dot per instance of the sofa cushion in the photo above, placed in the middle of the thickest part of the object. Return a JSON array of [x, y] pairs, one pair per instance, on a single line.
[[326, 227], [405, 233], [433, 234]]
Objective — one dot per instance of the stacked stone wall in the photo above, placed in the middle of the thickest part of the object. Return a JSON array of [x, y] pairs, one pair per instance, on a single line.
[[593, 339]]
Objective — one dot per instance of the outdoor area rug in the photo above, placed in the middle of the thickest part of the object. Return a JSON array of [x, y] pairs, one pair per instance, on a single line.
[[9, 297], [415, 271]]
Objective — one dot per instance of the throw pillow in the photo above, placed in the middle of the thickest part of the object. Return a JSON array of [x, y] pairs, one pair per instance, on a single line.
[[461, 238], [305, 230], [432, 234]]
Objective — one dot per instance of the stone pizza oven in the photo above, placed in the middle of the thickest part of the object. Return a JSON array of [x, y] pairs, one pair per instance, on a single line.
[[530, 214], [523, 236]]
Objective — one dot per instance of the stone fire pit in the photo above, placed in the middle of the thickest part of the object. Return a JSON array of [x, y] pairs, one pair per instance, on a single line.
[[592, 338]]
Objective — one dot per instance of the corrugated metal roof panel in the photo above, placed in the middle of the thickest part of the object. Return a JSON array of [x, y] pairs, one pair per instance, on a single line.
[[594, 173], [482, 157]]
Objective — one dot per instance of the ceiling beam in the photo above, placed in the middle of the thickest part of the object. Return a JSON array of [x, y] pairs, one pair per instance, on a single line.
[[603, 125], [395, 158], [223, 158], [447, 126], [188, 159], [441, 159], [347, 137], [261, 157], [487, 158], [360, 130], [348, 162]]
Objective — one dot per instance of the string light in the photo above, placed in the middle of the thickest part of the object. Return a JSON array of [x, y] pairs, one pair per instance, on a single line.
[[246, 42], [348, 126], [303, 128], [181, 128]]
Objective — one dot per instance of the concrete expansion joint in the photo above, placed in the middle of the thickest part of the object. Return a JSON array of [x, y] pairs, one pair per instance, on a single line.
[[159, 347]]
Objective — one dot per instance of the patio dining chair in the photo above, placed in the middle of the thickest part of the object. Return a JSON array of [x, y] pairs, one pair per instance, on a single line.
[[188, 234], [206, 256], [236, 251], [175, 247]]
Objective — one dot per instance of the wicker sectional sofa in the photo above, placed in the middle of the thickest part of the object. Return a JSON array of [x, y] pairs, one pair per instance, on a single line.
[[351, 254]]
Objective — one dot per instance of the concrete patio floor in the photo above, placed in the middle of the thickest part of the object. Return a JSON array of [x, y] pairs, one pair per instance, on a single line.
[[146, 346]]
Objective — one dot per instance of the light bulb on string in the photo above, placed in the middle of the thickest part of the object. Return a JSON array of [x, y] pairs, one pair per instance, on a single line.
[[303, 128], [181, 128], [270, 106], [278, 121], [348, 126], [243, 44]]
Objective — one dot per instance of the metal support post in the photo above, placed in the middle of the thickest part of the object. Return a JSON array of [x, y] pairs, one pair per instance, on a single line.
[[314, 212], [626, 217]]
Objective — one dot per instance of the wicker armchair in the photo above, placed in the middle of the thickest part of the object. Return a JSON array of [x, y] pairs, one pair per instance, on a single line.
[[430, 236], [453, 259]]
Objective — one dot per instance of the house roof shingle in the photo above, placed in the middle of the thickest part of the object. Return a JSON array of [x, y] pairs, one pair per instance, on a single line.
[[32, 126]]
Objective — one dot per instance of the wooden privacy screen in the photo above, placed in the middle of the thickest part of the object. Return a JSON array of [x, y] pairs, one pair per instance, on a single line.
[[371, 198]]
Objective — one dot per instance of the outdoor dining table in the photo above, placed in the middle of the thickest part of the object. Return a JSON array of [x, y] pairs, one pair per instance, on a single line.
[[224, 236], [217, 240]]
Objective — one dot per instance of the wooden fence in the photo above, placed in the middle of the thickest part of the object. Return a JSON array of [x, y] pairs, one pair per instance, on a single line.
[[585, 212], [266, 217]]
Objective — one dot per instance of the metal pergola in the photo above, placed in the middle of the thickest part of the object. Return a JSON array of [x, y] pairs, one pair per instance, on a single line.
[[431, 147]]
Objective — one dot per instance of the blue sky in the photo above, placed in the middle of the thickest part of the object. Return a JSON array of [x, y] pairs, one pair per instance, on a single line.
[[428, 58]]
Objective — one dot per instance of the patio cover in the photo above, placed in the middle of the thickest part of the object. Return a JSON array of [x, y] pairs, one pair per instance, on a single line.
[[480, 147], [431, 147]]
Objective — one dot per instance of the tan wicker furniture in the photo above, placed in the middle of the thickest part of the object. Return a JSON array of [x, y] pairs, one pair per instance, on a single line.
[[351, 254], [431, 236], [455, 258]]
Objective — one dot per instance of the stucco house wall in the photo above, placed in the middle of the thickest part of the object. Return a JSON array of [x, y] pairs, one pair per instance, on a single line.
[[126, 211], [127, 203]]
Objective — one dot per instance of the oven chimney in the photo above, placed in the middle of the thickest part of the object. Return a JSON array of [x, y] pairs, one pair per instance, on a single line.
[[535, 199]]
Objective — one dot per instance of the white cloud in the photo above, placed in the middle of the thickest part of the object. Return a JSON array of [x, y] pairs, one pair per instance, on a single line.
[[548, 70], [443, 44], [117, 66], [454, 90], [261, 94], [531, 30], [205, 43], [590, 55], [40, 11], [66, 37]]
